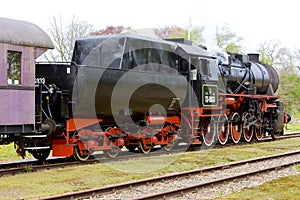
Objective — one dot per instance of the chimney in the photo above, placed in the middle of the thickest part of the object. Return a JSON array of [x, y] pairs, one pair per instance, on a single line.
[[254, 57]]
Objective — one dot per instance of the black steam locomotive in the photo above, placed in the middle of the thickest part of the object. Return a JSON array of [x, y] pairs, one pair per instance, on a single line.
[[140, 92]]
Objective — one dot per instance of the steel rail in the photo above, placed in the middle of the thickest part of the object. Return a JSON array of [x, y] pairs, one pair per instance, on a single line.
[[13, 168], [116, 187], [196, 187], [34, 166]]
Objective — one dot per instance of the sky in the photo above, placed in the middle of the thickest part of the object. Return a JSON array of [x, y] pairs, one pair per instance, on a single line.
[[256, 21]]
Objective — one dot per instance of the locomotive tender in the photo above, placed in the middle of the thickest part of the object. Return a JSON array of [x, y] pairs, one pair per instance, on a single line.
[[137, 92]]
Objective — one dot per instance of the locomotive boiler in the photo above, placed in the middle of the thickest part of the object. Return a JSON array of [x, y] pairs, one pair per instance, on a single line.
[[244, 73]]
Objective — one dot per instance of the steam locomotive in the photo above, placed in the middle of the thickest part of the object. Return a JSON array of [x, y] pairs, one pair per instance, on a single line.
[[135, 92]]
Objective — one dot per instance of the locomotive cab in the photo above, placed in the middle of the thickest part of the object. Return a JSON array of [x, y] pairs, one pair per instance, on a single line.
[[201, 70]]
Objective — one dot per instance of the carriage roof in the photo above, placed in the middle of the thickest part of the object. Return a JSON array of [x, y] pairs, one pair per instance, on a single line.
[[23, 33]]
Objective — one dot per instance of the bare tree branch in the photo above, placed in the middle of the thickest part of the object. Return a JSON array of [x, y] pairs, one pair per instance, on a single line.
[[64, 36]]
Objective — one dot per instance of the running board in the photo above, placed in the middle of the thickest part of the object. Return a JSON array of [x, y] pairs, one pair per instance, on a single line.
[[36, 148], [34, 136]]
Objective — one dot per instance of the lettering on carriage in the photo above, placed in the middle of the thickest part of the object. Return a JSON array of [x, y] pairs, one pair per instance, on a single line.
[[40, 80]]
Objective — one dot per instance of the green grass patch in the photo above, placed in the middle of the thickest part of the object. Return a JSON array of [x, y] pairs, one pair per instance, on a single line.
[[57, 181], [292, 127], [294, 124], [8, 152]]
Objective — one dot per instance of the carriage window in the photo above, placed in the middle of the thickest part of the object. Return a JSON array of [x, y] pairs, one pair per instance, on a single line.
[[14, 67]]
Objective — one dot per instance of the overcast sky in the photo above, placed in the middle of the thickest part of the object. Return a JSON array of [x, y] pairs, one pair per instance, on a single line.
[[255, 20]]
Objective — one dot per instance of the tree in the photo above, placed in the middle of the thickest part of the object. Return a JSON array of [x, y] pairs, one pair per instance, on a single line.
[[64, 36], [285, 61], [269, 51], [289, 89], [109, 30], [275, 54], [227, 40], [194, 34]]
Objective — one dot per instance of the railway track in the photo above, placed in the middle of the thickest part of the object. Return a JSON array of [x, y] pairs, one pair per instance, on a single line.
[[13, 168], [175, 185], [33, 166]]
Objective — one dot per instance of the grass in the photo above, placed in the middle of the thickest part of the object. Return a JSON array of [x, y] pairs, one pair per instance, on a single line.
[[52, 182], [293, 127], [294, 124], [8, 152], [283, 188]]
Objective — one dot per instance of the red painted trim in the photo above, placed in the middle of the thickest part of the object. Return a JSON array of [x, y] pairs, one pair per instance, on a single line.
[[77, 123], [61, 148]]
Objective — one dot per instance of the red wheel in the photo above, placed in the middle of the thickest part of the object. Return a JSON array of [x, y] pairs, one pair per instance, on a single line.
[[258, 133], [249, 130], [208, 132], [235, 128], [146, 132], [80, 151], [223, 130]]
